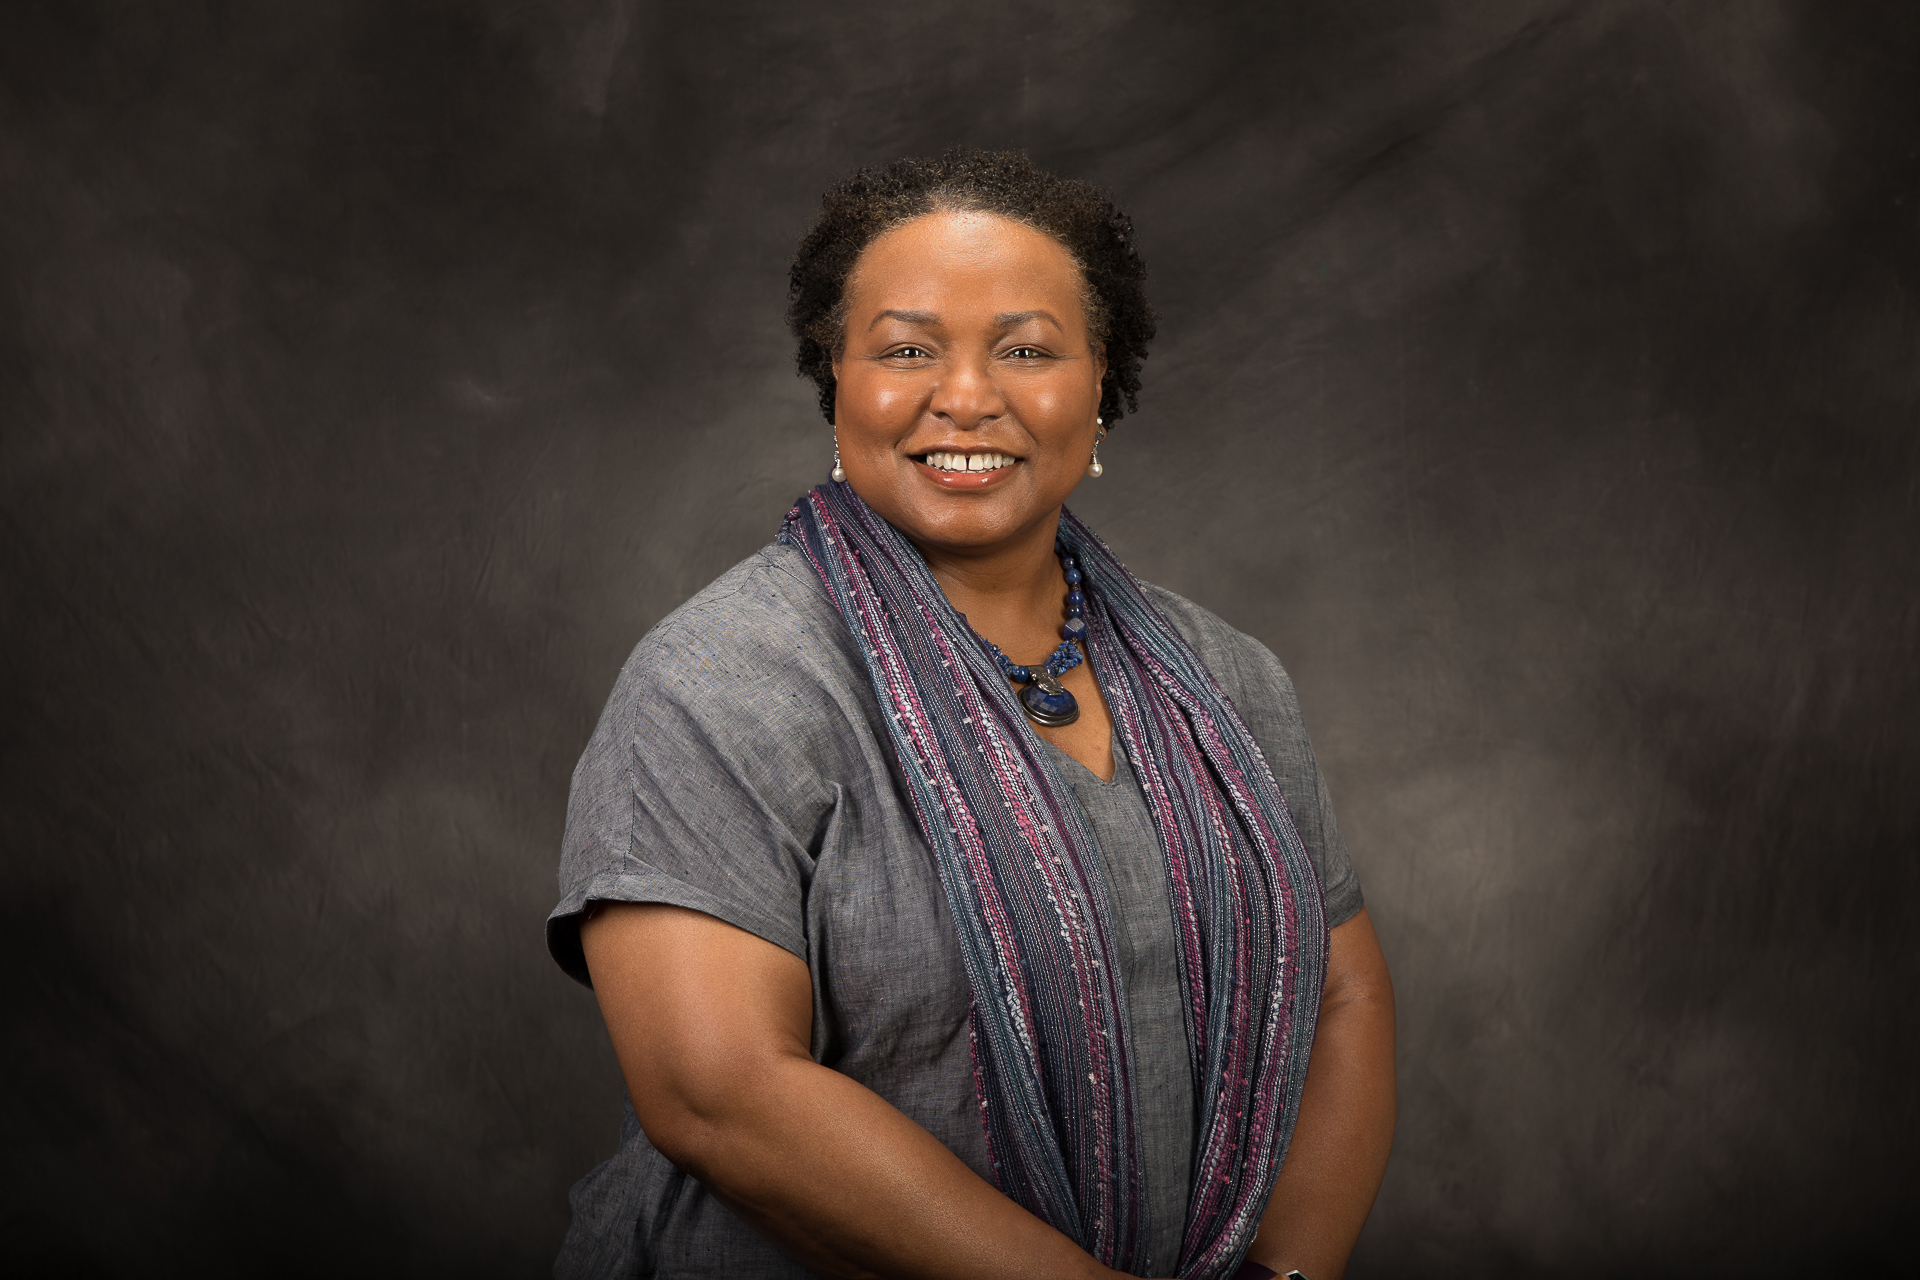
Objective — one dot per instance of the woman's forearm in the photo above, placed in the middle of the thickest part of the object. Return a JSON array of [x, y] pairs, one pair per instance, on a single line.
[[851, 1187], [711, 1027], [1345, 1129]]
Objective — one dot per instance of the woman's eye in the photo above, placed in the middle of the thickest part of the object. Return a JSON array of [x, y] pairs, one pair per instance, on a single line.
[[910, 353], [1026, 353]]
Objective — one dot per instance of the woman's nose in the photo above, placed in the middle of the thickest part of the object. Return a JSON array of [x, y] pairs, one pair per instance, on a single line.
[[966, 394]]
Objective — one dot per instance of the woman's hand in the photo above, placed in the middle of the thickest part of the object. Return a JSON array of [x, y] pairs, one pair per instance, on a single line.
[[1340, 1143], [712, 1027]]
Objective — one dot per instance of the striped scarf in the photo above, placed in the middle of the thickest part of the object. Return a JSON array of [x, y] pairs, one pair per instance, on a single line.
[[1052, 1052]]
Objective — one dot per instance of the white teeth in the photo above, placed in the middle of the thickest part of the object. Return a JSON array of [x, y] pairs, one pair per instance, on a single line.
[[970, 461]]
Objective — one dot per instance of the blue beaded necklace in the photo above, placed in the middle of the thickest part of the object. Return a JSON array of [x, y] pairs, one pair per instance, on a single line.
[[1046, 700]]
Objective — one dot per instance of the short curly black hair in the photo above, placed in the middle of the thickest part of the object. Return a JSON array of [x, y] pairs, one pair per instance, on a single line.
[[870, 202]]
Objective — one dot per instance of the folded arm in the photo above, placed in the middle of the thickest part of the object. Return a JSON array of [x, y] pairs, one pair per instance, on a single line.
[[712, 1025]]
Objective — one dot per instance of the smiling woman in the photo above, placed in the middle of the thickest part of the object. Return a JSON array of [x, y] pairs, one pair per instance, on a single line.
[[923, 960], [966, 409]]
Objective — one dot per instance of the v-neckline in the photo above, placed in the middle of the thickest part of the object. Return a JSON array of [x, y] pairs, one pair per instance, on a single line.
[[1113, 753]]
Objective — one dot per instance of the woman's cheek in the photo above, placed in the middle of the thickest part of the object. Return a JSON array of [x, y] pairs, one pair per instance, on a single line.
[[1048, 408], [896, 401], [881, 404]]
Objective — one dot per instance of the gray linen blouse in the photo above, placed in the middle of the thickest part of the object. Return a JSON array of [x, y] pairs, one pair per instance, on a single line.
[[741, 768]]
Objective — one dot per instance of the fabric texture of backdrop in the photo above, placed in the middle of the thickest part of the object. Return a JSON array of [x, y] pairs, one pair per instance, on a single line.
[[1538, 380]]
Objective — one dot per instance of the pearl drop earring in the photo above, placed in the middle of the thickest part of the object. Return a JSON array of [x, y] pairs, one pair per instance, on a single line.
[[839, 473], [1100, 433]]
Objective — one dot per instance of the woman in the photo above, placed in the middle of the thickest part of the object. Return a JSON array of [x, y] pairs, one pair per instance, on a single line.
[[958, 905]]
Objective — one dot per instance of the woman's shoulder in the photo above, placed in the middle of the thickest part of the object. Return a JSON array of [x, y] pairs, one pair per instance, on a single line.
[[768, 610], [1247, 670], [762, 640], [772, 596]]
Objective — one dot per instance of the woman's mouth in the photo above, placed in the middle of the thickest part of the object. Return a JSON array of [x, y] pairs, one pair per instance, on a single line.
[[968, 463]]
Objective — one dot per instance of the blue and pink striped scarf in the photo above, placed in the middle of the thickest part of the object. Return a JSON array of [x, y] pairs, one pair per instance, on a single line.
[[1022, 875]]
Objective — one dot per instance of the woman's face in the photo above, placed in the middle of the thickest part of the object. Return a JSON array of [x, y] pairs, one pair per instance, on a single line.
[[967, 390]]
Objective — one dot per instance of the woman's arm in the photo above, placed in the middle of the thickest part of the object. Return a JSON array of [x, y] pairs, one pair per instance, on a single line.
[[712, 1028], [1340, 1144]]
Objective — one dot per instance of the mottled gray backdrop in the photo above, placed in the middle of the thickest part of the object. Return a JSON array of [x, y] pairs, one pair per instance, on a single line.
[[1539, 380]]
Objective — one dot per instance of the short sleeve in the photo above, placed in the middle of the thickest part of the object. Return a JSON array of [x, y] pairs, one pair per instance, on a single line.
[[698, 787], [1263, 694]]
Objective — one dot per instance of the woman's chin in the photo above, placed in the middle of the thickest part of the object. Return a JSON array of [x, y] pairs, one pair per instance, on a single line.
[[961, 512], [969, 532]]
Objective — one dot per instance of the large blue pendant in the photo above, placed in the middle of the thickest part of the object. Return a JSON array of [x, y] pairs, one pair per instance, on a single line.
[[1047, 700]]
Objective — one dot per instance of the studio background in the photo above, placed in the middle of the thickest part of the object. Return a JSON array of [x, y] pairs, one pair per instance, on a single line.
[[1538, 380]]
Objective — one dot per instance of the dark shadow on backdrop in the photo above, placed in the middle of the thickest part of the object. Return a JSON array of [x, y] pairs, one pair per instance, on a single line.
[[1538, 380]]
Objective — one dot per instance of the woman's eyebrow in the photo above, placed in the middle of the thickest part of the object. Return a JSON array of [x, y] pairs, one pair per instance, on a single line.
[[1008, 319], [911, 317]]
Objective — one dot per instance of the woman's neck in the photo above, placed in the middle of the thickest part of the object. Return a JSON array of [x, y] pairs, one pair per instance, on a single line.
[[1013, 594]]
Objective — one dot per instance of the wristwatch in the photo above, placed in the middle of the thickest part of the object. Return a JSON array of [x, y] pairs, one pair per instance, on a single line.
[[1254, 1271]]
